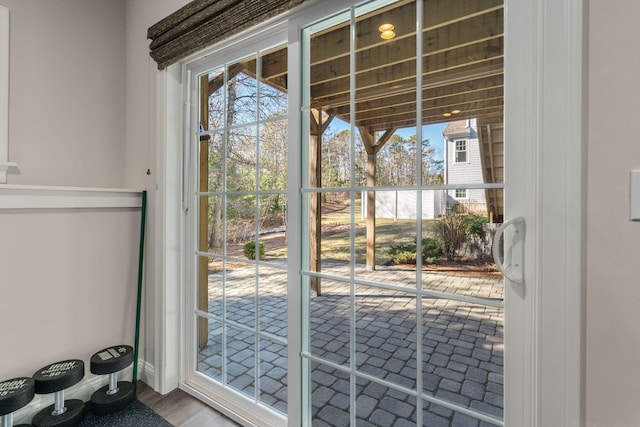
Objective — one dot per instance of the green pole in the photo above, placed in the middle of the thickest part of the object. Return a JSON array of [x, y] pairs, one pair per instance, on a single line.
[[139, 302]]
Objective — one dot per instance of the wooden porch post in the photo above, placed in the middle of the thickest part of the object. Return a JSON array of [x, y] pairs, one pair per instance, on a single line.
[[315, 204], [372, 147], [318, 126]]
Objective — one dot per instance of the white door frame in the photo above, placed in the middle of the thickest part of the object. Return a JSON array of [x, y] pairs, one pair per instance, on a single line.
[[544, 112]]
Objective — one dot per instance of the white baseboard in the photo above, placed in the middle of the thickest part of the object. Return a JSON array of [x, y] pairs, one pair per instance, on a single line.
[[83, 390]]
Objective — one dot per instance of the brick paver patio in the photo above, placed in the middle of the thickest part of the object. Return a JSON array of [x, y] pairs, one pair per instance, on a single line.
[[462, 345]]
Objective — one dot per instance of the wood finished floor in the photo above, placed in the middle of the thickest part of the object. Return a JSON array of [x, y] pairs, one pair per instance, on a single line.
[[181, 409]]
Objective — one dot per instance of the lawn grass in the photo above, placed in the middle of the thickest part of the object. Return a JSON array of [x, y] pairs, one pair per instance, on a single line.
[[336, 241], [389, 232]]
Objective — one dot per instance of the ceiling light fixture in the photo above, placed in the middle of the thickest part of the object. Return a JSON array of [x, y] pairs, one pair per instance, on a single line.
[[446, 114], [455, 111], [386, 31]]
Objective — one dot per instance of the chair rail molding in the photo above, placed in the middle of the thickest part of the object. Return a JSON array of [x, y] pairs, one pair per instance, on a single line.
[[6, 166], [45, 197]]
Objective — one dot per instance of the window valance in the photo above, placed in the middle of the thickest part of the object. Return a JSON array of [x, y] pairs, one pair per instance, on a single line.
[[202, 23]]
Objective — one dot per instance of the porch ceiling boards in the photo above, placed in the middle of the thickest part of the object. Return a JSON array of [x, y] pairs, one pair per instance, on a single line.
[[462, 65]]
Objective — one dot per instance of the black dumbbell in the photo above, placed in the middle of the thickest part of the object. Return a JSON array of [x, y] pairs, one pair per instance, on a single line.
[[55, 378], [117, 394], [14, 394]]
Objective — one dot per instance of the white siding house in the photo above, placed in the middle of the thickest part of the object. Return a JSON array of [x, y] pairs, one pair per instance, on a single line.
[[463, 165]]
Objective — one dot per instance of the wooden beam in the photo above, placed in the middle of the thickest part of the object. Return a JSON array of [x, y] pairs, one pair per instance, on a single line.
[[408, 107], [433, 115], [334, 42], [394, 70], [443, 79], [490, 85]]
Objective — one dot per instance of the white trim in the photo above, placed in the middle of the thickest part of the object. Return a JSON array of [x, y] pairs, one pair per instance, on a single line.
[[41, 197], [169, 225], [234, 405], [543, 112], [6, 166]]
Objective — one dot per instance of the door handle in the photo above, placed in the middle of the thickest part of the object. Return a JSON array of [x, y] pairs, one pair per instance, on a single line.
[[512, 266]]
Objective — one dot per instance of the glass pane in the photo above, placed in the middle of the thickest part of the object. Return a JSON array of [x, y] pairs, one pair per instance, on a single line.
[[273, 300], [335, 153], [330, 322], [241, 351], [210, 353], [215, 175], [386, 335], [240, 294], [438, 416], [211, 295], [215, 90], [241, 223], [214, 208], [432, 161], [273, 227], [242, 93], [273, 374], [463, 353], [241, 159], [386, 246], [273, 84], [457, 252], [386, 74], [377, 405], [330, 402], [273, 156], [330, 231]]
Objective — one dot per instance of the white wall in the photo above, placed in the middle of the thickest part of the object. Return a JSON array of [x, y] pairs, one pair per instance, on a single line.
[[68, 285], [613, 242], [82, 114], [67, 92], [67, 277]]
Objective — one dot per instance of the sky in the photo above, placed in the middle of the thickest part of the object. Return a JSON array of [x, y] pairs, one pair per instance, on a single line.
[[431, 132]]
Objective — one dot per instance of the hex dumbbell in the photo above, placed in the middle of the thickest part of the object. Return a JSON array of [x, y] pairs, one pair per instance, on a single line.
[[14, 394], [116, 395], [55, 378]]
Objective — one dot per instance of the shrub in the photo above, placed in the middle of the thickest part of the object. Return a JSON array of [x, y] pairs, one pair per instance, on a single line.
[[452, 232], [250, 250], [431, 248], [400, 254], [474, 224], [407, 254], [405, 257]]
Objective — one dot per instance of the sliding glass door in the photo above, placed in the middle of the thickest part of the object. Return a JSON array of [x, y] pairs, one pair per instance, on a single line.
[[361, 244], [240, 223], [402, 187]]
